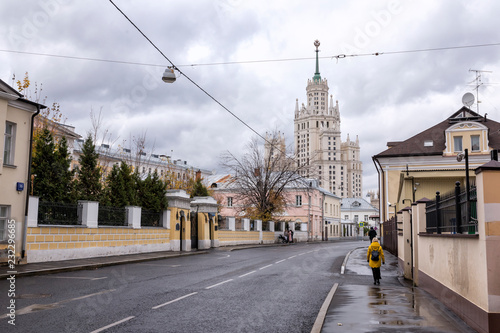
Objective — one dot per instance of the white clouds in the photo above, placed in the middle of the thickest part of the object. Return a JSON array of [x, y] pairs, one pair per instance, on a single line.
[[384, 98]]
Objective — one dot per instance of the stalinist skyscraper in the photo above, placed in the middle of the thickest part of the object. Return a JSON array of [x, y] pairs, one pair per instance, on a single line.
[[336, 164]]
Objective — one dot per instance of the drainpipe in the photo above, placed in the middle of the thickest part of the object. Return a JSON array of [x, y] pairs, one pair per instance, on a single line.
[[23, 248], [380, 201]]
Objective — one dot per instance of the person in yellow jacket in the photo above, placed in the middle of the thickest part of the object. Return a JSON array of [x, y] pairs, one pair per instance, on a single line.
[[375, 264]]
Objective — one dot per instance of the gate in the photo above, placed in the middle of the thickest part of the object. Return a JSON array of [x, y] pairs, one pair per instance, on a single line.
[[194, 230], [390, 236]]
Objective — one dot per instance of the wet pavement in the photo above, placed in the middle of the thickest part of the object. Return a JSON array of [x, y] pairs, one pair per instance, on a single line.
[[394, 306]]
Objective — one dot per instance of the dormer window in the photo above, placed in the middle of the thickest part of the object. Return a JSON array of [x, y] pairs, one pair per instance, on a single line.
[[474, 142], [457, 144]]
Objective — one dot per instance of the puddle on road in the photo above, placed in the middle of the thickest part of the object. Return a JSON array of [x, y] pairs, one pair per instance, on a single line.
[[359, 308]]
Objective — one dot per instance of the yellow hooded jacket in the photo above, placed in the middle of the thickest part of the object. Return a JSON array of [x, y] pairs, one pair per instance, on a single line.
[[375, 246]]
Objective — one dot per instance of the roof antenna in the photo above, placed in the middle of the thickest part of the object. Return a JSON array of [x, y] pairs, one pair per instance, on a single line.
[[478, 84]]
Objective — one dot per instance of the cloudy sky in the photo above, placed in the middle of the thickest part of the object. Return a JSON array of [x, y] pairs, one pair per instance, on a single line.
[[382, 98]]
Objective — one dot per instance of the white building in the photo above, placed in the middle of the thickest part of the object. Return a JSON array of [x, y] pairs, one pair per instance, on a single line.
[[318, 143]]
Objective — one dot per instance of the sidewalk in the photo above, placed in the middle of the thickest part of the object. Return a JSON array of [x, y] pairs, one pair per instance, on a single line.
[[394, 306]]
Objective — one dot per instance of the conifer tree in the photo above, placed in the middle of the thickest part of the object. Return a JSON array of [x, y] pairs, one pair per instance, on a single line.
[[52, 176], [199, 190], [151, 192], [121, 187], [88, 184]]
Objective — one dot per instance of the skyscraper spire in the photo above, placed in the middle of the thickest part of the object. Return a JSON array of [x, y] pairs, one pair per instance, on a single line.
[[317, 76]]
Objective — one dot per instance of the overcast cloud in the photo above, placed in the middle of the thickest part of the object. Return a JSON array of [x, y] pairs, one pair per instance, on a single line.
[[382, 98]]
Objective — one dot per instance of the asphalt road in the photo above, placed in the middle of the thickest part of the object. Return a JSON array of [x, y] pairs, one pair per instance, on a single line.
[[268, 289]]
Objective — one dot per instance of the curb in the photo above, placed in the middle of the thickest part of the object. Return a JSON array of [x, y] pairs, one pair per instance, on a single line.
[[342, 268], [320, 319]]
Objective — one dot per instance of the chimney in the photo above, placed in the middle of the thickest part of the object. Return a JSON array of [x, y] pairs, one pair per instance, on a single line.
[[198, 175]]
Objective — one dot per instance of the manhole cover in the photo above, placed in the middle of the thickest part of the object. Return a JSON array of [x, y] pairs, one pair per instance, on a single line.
[[30, 296]]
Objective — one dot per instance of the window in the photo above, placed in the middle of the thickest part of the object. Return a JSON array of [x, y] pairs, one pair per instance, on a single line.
[[9, 136], [474, 142], [457, 144], [298, 200], [4, 218], [230, 201]]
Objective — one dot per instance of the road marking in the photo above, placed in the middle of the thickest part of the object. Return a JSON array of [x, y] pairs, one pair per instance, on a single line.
[[40, 307], [265, 267], [291, 257], [111, 325], [218, 284], [301, 254], [247, 273], [224, 257], [160, 265], [277, 262], [76, 277], [173, 301]]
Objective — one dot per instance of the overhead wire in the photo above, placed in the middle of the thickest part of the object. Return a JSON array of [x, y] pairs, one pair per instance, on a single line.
[[337, 56], [187, 77]]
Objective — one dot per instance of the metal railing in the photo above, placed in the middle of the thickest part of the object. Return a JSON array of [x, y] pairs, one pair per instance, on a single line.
[[151, 218], [266, 226], [57, 213], [112, 216], [452, 213]]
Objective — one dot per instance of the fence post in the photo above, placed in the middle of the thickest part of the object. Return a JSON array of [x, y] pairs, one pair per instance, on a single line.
[[438, 214], [134, 216], [33, 212], [458, 209], [90, 213]]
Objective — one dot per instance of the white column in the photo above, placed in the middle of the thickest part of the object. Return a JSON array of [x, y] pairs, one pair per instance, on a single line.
[[134, 216], [33, 212], [231, 223], [246, 224], [271, 226], [166, 219], [90, 213]]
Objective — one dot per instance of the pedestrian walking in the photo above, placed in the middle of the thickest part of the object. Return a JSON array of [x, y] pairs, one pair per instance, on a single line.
[[372, 233], [291, 236], [375, 257]]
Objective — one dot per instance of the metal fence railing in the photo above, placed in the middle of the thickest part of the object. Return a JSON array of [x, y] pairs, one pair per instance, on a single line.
[[112, 216], [452, 213], [151, 218], [266, 226], [223, 223], [56, 213]]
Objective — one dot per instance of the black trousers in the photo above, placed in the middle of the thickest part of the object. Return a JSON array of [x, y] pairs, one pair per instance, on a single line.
[[376, 273]]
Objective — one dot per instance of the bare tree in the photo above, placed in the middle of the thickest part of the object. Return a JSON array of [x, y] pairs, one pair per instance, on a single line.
[[261, 176]]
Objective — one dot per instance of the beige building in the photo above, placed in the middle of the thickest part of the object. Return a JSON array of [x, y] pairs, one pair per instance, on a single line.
[[16, 119], [318, 143], [427, 162], [449, 249]]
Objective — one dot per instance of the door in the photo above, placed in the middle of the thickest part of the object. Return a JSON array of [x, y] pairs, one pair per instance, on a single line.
[[194, 230]]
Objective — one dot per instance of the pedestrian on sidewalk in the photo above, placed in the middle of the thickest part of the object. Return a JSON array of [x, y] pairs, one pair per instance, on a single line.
[[375, 257], [372, 234]]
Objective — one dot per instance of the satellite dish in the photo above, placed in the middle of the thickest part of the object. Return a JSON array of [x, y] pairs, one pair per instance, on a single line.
[[468, 99]]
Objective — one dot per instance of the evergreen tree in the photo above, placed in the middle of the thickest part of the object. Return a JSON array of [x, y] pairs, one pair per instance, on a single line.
[[121, 187], [199, 190], [88, 184], [151, 192], [50, 167]]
